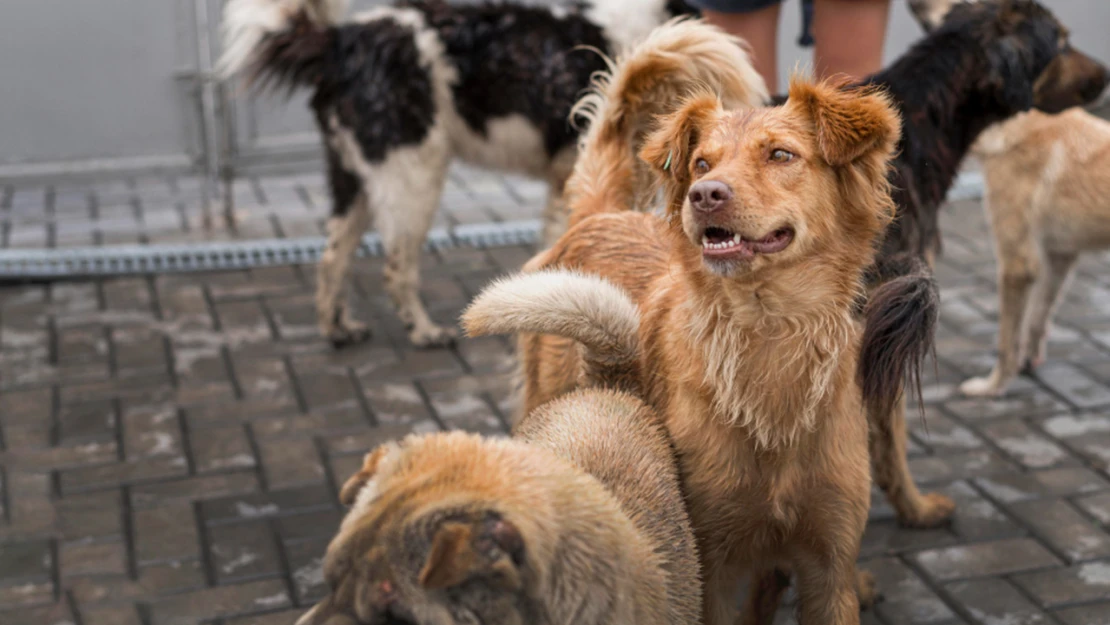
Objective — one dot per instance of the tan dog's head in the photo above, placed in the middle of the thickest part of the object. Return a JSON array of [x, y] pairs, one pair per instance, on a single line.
[[425, 543], [771, 187]]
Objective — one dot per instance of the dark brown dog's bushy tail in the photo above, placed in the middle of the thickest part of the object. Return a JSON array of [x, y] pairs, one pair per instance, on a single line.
[[682, 57], [899, 323], [279, 43], [594, 312]]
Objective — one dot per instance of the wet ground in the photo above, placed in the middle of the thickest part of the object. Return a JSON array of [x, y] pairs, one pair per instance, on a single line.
[[170, 447]]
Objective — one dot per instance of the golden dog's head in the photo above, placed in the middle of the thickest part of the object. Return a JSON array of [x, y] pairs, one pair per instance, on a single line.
[[772, 187]]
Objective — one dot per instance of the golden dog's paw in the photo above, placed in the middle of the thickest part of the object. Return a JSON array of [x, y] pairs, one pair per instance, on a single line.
[[867, 590], [935, 510]]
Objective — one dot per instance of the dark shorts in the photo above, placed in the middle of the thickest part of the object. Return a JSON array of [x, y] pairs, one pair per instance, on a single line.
[[748, 6]]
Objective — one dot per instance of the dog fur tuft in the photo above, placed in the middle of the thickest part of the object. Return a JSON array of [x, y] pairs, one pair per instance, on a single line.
[[899, 322], [588, 309], [283, 41], [677, 59]]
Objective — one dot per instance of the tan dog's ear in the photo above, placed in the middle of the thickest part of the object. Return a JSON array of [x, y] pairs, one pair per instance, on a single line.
[[850, 123], [492, 547], [668, 149], [349, 493]]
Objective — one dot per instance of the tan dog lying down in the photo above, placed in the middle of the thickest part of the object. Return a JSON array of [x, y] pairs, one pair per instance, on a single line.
[[735, 318], [578, 522], [1047, 199]]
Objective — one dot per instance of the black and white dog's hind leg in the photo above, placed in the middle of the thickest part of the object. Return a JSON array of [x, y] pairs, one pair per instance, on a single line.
[[400, 195], [405, 197], [350, 219]]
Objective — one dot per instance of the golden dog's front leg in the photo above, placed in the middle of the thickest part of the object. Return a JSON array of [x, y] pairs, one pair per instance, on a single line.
[[827, 590]]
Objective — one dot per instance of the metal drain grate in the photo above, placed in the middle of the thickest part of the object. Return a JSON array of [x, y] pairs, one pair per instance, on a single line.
[[43, 264]]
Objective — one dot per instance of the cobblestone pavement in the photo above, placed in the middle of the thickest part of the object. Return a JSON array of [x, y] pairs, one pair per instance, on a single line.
[[170, 447], [168, 210]]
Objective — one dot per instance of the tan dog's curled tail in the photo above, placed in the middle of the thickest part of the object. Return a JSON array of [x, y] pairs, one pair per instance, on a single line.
[[588, 309], [899, 322], [682, 57]]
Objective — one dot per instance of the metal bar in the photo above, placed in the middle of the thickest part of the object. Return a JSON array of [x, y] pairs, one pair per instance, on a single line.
[[208, 114]]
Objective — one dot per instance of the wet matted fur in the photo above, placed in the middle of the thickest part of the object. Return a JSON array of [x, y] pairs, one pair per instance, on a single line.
[[1047, 200], [747, 346], [400, 91], [578, 521]]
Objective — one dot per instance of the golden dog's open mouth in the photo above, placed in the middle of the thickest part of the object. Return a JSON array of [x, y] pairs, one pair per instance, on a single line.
[[717, 242]]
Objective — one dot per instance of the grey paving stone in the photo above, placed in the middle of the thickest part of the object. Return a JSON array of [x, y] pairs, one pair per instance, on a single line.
[[1060, 587], [1065, 529], [996, 602], [985, 559], [1026, 446], [1097, 614]]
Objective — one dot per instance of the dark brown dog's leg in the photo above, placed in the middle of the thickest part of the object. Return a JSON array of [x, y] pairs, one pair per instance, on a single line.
[[764, 596], [892, 473]]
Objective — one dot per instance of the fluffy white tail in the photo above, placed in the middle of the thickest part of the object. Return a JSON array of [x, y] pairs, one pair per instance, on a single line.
[[680, 58], [588, 309], [247, 24]]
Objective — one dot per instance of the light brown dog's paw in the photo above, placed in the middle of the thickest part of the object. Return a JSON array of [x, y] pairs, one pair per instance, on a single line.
[[867, 590], [985, 386], [935, 511], [433, 336]]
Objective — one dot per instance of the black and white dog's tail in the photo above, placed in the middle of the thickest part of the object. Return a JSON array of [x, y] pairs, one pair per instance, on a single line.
[[279, 43], [591, 310]]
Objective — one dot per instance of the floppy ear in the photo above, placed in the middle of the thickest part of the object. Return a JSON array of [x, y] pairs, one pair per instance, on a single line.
[[354, 484], [492, 547], [849, 123], [669, 147]]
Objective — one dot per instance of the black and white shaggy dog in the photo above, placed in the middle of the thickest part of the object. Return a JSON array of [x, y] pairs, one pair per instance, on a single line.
[[984, 63], [402, 90]]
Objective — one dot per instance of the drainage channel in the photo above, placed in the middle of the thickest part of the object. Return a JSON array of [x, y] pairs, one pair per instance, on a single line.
[[70, 263]]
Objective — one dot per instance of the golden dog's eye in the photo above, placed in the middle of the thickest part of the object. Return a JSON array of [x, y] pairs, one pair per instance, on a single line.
[[701, 166], [778, 155]]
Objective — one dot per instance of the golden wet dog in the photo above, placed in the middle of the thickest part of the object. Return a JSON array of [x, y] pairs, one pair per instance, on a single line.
[[735, 315]]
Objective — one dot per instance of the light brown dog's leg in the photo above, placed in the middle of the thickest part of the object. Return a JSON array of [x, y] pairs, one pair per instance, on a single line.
[[1042, 304], [1017, 276], [764, 597], [892, 473]]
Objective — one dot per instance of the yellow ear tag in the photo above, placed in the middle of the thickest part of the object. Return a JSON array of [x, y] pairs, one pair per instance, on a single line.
[[667, 165]]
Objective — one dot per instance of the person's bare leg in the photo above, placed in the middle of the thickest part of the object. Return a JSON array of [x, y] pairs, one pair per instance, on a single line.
[[760, 28], [849, 37]]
